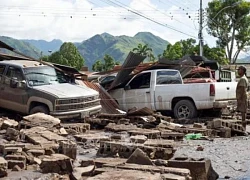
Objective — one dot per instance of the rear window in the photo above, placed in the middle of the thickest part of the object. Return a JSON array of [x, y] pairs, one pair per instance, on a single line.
[[168, 77]]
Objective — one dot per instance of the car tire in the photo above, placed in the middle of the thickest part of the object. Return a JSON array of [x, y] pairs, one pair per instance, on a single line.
[[39, 109], [185, 109]]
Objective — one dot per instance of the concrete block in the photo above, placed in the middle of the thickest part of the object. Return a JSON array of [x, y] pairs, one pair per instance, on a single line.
[[68, 148], [3, 167], [210, 125], [99, 162], [197, 125], [172, 135], [199, 168], [237, 128], [225, 132], [155, 169], [160, 143], [111, 148], [15, 157], [56, 163], [13, 163], [151, 134], [91, 138], [9, 123], [16, 160], [12, 150], [78, 127], [139, 157], [138, 139], [221, 123], [36, 152]]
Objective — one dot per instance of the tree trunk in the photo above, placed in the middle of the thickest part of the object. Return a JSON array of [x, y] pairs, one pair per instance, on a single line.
[[232, 44], [236, 56]]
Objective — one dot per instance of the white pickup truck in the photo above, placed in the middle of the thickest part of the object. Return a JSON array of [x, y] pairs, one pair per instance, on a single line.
[[163, 90]]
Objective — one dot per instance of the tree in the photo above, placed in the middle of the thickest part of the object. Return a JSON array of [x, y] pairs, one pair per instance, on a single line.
[[143, 50], [97, 66], [189, 47], [229, 22], [67, 55], [107, 64], [179, 49], [215, 53]]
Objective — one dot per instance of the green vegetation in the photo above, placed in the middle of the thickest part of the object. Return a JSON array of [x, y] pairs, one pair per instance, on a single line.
[[229, 22], [67, 55], [108, 64], [146, 51], [118, 47], [21, 46], [189, 47]]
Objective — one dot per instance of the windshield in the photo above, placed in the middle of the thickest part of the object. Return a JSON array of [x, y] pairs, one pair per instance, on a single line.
[[43, 75]]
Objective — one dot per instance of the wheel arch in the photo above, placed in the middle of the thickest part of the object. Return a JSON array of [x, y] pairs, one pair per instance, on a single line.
[[35, 101], [177, 99]]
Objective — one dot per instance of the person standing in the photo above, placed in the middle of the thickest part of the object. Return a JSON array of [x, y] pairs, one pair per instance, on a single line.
[[241, 94]]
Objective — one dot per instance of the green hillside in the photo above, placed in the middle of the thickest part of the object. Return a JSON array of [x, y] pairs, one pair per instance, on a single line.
[[95, 47], [118, 46], [21, 46]]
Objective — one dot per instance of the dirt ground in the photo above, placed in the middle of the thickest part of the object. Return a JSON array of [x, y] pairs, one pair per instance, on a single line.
[[230, 157]]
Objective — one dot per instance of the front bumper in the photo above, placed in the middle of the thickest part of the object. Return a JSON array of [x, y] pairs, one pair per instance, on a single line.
[[78, 113], [220, 104]]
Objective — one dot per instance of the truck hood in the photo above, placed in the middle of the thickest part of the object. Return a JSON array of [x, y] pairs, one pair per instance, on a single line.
[[67, 90]]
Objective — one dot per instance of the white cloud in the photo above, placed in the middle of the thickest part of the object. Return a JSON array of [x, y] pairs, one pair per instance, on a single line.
[[77, 20]]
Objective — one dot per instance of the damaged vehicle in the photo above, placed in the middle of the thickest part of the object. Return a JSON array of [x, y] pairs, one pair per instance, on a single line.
[[29, 87], [164, 90]]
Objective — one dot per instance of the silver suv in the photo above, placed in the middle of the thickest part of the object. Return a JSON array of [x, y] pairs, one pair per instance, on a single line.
[[29, 87]]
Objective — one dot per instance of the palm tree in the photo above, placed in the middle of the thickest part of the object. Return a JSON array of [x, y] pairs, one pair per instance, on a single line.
[[143, 50]]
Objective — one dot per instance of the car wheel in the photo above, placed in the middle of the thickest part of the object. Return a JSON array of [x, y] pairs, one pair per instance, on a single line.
[[39, 109], [185, 109]]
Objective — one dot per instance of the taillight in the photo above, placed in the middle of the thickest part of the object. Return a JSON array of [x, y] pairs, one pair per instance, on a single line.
[[212, 90]]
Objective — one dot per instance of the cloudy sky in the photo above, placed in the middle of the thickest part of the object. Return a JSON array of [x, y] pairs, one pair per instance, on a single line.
[[77, 20]]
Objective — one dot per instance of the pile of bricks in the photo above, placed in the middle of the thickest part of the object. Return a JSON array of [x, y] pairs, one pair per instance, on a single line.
[[225, 128]]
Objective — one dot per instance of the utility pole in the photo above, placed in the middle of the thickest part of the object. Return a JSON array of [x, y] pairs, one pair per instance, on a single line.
[[200, 35]]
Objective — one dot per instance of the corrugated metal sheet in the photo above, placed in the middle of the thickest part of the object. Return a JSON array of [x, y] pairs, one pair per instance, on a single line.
[[184, 65], [131, 62], [109, 105], [4, 56]]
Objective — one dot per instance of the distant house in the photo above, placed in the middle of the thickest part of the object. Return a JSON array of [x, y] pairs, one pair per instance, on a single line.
[[234, 67]]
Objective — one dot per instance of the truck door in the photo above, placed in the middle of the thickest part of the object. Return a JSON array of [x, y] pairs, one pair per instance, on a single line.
[[138, 93], [14, 98], [166, 88]]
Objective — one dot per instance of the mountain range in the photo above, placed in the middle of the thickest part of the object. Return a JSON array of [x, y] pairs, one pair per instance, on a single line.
[[93, 48]]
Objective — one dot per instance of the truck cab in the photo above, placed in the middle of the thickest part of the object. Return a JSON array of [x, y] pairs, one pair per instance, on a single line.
[[164, 90], [29, 87]]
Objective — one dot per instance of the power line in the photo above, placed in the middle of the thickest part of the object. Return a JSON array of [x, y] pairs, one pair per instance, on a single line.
[[175, 4], [168, 15], [152, 20]]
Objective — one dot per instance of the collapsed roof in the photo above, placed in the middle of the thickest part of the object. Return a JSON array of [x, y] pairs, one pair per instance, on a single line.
[[184, 65]]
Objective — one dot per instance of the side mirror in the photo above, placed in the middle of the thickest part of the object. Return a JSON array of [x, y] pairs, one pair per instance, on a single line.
[[13, 82], [23, 84], [127, 87]]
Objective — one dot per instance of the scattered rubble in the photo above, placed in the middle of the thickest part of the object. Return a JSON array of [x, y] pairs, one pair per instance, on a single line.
[[139, 141], [3, 167], [226, 128], [199, 168]]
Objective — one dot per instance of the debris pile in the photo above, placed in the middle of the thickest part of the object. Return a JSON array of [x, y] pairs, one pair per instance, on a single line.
[[226, 128], [132, 143]]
